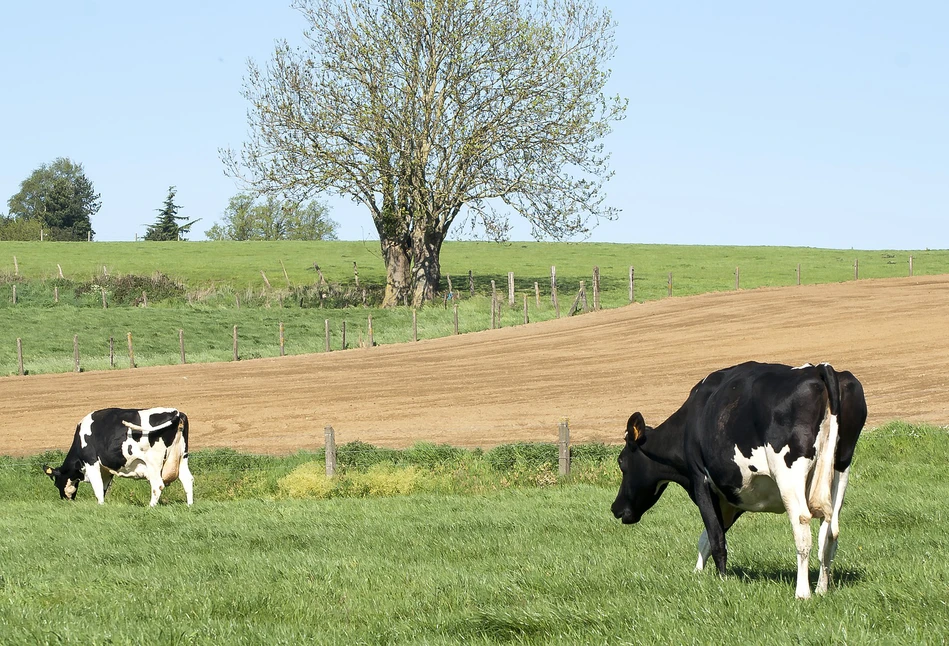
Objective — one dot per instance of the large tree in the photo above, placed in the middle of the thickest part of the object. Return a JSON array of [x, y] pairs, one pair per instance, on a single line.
[[420, 108], [60, 197], [273, 219]]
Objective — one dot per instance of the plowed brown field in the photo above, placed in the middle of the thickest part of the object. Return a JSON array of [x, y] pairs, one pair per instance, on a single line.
[[515, 384]]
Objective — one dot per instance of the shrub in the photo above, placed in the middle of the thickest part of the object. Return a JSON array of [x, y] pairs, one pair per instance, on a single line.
[[430, 456], [382, 480], [522, 455], [128, 289], [306, 481]]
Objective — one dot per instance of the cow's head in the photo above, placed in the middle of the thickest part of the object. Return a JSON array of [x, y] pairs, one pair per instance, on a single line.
[[67, 483], [640, 488]]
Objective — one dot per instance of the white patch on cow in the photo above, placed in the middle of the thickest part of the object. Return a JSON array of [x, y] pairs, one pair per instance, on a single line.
[[85, 430], [806, 365], [819, 493], [146, 416], [759, 492], [70, 488]]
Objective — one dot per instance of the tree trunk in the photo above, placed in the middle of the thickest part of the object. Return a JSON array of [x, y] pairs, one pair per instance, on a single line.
[[426, 270], [398, 273]]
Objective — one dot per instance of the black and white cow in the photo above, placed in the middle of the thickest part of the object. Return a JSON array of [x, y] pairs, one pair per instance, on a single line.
[[149, 443], [753, 437]]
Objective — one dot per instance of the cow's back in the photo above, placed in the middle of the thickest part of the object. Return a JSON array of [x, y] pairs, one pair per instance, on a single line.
[[754, 415]]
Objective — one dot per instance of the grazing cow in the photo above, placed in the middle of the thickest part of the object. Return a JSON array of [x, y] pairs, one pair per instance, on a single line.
[[149, 443], [753, 437]]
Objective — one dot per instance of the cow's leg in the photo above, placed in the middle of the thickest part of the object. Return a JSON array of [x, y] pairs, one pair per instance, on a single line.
[[106, 481], [187, 480], [729, 516], [830, 531], [792, 483], [94, 476], [714, 532], [153, 474]]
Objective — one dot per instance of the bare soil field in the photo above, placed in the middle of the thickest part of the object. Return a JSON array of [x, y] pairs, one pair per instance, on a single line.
[[516, 384]]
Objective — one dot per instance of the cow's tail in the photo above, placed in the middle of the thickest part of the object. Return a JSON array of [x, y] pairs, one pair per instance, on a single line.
[[819, 496], [175, 452]]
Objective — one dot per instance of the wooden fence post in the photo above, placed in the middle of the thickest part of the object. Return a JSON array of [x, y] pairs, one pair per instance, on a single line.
[[14, 294], [632, 290], [111, 352], [494, 306], [131, 350], [235, 343], [456, 318], [596, 288], [58, 266], [414, 324], [371, 342], [536, 294], [553, 286], [329, 438], [75, 353], [144, 300], [56, 294], [104, 304], [737, 278], [669, 286], [856, 268], [282, 349], [356, 273], [526, 320], [910, 265], [583, 294], [19, 356], [181, 345], [41, 234], [564, 445], [16, 267], [342, 343], [470, 284], [798, 273], [326, 335], [285, 275], [510, 288]]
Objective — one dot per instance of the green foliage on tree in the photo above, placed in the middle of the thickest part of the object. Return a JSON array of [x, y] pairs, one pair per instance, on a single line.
[[20, 229], [166, 227], [56, 197], [273, 219], [432, 112]]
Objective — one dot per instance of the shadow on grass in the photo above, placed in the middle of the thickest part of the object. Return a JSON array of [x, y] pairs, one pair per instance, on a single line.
[[788, 576]]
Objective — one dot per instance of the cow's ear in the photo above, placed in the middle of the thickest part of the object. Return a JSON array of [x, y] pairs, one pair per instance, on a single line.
[[635, 426]]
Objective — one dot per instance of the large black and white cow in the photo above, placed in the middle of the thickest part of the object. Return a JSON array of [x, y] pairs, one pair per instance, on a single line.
[[150, 443], [753, 437]]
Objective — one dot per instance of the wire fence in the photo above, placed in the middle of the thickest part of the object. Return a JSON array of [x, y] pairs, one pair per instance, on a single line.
[[525, 300], [361, 455]]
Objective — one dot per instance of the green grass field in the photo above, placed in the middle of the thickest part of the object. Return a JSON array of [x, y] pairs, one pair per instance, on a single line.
[[214, 286], [513, 562]]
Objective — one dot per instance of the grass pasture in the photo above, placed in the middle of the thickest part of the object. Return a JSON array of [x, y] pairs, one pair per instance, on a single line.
[[513, 562], [206, 288]]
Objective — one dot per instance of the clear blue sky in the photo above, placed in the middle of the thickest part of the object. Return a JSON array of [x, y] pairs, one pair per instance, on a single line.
[[817, 124]]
